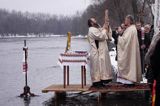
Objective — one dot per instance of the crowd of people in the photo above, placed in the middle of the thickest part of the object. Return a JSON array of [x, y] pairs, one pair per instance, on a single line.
[[138, 50]]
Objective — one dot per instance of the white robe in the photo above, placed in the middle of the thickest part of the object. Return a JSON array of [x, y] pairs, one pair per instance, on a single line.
[[100, 64], [129, 63]]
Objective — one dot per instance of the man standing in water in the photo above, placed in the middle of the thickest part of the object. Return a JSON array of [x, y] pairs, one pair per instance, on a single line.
[[100, 64], [129, 63]]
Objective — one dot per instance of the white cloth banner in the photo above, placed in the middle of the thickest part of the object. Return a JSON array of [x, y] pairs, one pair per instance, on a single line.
[[73, 59]]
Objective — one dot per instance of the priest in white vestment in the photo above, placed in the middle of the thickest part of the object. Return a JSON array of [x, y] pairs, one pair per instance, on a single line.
[[100, 64], [129, 63]]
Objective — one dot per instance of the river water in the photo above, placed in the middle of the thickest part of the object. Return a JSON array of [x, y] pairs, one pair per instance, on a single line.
[[44, 71]]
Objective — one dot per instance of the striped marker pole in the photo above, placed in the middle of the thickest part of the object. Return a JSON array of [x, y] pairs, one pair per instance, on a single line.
[[26, 92]]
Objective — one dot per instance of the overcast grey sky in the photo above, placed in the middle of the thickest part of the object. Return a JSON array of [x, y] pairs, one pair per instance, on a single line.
[[65, 7]]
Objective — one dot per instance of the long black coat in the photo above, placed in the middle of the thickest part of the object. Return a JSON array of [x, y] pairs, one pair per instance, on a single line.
[[155, 62]]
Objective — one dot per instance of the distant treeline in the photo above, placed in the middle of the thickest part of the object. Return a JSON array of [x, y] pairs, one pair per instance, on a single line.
[[14, 22], [26, 23]]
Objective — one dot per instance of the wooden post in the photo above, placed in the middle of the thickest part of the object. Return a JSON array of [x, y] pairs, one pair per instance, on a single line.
[[67, 75], [82, 75], [64, 75]]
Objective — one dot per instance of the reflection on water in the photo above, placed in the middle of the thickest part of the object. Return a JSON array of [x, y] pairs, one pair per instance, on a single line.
[[27, 101], [116, 99]]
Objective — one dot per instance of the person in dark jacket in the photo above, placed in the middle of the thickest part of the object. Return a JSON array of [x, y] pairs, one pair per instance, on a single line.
[[144, 41], [155, 65], [147, 36], [139, 32], [115, 34], [141, 43], [153, 58]]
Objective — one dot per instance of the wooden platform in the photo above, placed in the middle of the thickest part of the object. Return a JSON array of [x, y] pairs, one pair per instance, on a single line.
[[108, 88]]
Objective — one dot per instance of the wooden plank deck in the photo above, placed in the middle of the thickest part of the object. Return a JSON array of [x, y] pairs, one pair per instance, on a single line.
[[108, 88]]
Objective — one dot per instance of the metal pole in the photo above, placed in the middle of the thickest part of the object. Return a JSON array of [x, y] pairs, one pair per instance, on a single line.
[[26, 88], [26, 78], [25, 50]]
